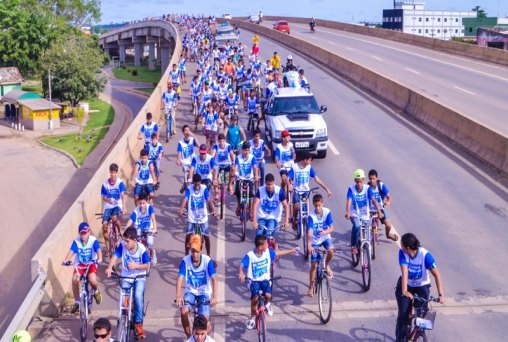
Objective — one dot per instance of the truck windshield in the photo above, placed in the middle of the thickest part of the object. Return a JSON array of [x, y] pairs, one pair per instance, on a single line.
[[295, 105]]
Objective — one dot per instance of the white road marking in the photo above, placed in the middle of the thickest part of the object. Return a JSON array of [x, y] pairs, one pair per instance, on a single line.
[[333, 148], [221, 262], [333, 43], [452, 64], [413, 71], [464, 90], [376, 57], [350, 48]]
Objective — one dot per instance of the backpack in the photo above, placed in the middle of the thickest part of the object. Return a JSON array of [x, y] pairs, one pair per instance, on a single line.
[[381, 193]]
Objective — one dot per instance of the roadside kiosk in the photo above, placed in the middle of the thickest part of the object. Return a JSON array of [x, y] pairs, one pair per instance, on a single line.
[[32, 111]]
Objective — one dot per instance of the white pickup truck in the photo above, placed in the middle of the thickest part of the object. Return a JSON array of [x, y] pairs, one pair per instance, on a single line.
[[296, 110]]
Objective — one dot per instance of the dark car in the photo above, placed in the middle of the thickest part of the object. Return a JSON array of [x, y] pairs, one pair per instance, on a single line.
[[282, 26]]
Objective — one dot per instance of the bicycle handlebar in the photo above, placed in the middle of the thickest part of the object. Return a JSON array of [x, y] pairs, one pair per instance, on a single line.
[[421, 299], [306, 191]]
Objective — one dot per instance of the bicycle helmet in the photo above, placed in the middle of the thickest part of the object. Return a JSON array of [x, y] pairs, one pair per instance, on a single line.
[[359, 174], [290, 57]]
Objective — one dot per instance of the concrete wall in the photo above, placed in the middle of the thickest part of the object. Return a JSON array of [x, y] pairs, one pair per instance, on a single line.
[[51, 254], [485, 144], [463, 49]]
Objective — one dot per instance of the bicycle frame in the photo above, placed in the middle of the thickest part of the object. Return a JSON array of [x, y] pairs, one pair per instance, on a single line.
[[322, 281], [365, 253], [125, 307], [419, 323], [168, 115], [223, 182], [303, 214], [244, 185], [84, 299]]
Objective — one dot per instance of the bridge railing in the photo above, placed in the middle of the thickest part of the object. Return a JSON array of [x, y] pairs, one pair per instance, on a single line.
[[47, 270]]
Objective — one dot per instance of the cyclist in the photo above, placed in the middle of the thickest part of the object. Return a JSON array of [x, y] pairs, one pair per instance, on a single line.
[[185, 151], [312, 23], [415, 263], [155, 151], [201, 284], [195, 90], [197, 200], [267, 211], [211, 124], [299, 177], [252, 104], [86, 250], [285, 156], [143, 177], [234, 133], [207, 95], [275, 61], [319, 228], [258, 148], [174, 76], [245, 169], [135, 262], [224, 158], [204, 165], [182, 67], [147, 129], [239, 75], [229, 70], [143, 219], [102, 330], [200, 330], [359, 197], [231, 101], [257, 263], [168, 104], [113, 194], [303, 80], [383, 197]]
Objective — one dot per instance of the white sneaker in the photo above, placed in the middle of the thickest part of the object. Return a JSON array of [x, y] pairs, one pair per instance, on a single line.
[[269, 310], [154, 258], [250, 324]]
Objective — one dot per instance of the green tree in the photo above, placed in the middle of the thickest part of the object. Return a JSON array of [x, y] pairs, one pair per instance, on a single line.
[[480, 13], [73, 60], [74, 12]]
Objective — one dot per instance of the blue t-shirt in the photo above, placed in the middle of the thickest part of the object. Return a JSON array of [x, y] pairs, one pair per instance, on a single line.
[[148, 130], [418, 267]]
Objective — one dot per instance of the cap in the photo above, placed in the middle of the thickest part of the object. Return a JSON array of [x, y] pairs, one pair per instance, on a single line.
[[234, 117], [21, 336], [83, 226], [195, 242], [230, 91], [202, 148], [359, 174], [284, 133]]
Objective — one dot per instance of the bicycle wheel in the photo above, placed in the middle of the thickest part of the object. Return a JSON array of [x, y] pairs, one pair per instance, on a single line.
[[419, 336], [305, 242], [83, 318], [243, 218], [261, 328], [112, 239], [222, 195], [324, 299], [366, 266], [123, 329], [373, 241], [169, 128]]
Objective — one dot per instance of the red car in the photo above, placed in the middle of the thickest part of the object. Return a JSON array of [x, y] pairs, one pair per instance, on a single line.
[[281, 26]]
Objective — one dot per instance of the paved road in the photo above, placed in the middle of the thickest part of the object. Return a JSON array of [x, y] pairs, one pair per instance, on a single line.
[[476, 89], [438, 195]]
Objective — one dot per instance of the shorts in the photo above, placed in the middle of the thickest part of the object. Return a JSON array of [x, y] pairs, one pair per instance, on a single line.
[[208, 182], [225, 168], [82, 269], [138, 189], [271, 227], [203, 309], [108, 213], [251, 189], [327, 244], [149, 237], [254, 113], [211, 135], [386, 216], [263, 285], [205, 228]]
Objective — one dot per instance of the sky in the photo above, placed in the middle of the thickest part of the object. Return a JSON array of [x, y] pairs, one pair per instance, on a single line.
[[339, 10]]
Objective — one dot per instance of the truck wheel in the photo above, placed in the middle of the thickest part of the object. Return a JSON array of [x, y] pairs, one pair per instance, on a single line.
[[322, 154]]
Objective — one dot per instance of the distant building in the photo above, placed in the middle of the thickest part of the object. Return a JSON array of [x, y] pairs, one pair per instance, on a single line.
[[492, 38], [10, 79], [471, 25], [31, 110], [411, 17]]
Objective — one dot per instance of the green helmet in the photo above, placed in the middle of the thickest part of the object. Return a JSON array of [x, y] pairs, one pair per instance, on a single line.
[[21, 336], [359, 174]]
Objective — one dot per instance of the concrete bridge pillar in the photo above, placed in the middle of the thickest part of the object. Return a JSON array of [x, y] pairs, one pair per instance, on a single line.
[[151, 56], [138, 49], [165, 55], [122, 47]]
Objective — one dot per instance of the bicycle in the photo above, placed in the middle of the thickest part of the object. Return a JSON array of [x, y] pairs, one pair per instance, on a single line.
[[195, 309], [143, 238], [223, 183], [363, 255], [125, 307], [261, 313], [197, 229], [271, 244], [85, 300], [421, 319], [323, 289], [195, 108], [186, 180], [168, 115], [244, 185], [374, 232], [253, 117], [114, 236], [303, 214]]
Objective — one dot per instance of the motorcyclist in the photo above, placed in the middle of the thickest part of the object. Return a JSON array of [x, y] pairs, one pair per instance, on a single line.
[[260, 17], [312, 24]]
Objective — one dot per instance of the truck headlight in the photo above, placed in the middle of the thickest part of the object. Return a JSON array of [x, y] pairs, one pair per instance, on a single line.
[[278, 135], [321, 132]]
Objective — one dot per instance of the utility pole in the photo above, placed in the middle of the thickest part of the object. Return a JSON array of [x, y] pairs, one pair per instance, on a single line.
[[50, 102]]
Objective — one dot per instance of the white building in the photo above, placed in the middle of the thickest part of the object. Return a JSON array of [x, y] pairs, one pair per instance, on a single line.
[[411, 17]]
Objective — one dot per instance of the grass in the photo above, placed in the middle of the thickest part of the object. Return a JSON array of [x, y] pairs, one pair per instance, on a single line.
[[144, 75], [34, 88], [146, 90], [94, 131]]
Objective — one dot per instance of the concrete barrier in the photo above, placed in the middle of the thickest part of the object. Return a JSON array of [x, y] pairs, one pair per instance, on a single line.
[[472, 51], [485, 144], [51, 254]]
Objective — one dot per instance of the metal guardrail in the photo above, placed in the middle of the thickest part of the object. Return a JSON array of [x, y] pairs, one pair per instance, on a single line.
[[27, 309]]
